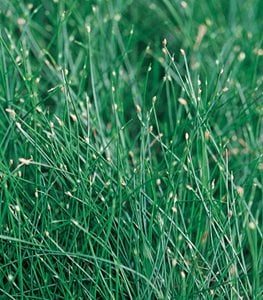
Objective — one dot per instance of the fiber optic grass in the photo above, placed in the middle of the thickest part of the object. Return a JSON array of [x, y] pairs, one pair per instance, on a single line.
[[131, 149]]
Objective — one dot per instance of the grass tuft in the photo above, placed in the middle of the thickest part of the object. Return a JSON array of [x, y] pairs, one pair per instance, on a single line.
[[131, 149]]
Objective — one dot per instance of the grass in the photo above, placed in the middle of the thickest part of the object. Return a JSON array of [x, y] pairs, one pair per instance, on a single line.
[[131, 149]]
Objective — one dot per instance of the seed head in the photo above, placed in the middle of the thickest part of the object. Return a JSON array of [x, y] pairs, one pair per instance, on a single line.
[[164, 42]]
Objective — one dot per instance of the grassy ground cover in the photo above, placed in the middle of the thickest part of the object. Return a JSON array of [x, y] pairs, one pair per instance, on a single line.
[[131, 149]]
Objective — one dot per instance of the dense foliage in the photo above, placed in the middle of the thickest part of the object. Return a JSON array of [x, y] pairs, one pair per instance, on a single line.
[[131, 149]]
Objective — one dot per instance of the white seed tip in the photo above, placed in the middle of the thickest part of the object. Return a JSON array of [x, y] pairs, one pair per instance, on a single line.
[[11, 112], [10, 277], [25, 161], [164, 42], [184, 4], [138, 108], [73, 117], [21, 21], [252, 225], [182, 52], [88, 29], [182, 101]]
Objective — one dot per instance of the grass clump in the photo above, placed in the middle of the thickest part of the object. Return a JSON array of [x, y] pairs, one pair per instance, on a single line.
[[131, 149]]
